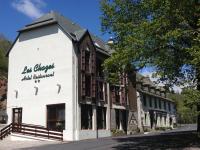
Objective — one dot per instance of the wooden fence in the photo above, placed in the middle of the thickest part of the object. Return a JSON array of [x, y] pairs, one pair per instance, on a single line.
[[31, 130]]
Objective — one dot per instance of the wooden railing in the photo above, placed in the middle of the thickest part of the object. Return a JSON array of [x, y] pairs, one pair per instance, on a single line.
[[31, 130], [5, 131]]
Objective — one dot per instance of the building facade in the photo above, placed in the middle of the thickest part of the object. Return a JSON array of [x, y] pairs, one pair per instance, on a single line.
[[56, 80], [155, 109]]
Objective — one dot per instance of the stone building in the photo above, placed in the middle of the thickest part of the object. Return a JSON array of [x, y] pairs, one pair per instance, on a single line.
[[155, 109]]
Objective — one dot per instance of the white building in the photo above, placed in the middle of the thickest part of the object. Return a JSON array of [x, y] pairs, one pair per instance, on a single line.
[[46, 71]]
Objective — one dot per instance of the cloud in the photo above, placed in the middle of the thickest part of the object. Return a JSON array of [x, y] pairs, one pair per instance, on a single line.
[[31, 8]]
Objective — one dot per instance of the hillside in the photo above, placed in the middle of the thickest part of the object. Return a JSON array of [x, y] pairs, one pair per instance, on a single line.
[[4, 46]]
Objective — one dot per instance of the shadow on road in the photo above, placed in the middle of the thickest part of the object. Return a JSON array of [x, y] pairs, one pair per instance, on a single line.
[[162, 141], [177, 140]]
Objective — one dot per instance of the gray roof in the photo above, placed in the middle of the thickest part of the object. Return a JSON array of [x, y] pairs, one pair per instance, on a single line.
[[72, 29], [147, 81]]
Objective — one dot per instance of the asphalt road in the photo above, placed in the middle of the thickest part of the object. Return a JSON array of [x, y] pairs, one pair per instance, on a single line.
[[180, 138]]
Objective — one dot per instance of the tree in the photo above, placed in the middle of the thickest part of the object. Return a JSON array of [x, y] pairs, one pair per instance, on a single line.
[[4, 46], [185, 113], [159, 33]]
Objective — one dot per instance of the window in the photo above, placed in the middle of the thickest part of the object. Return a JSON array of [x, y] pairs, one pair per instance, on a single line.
[[117, 95], [165, 105], [56, 117], [159, 101], [88, 85], [86, 116], [169, 106], [100, 90], [117, 119], [99, 68], [155, 101], [124, 119], [101, 117], [144, 100], [145, 118], [87, 61], [150, 101]]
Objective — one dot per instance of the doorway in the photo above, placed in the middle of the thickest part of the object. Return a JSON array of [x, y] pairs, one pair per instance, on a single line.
[[17, 116]]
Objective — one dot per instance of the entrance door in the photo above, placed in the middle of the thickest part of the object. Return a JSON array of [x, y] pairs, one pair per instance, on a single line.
[[17, 119], [152, 118], [17, 115]]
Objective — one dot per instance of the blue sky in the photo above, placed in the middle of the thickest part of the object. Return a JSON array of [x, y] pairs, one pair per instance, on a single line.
[[15, 14]]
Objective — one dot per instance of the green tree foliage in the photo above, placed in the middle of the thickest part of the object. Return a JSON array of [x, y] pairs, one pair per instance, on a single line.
[[159, 33], [185, 114], [4, 46]]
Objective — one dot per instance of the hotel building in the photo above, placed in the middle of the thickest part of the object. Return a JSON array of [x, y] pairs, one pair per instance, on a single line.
[[56, 80]]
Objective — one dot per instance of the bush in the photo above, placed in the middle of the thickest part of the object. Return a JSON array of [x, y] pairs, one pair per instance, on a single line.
[[116, 132], [163, 128], [147, 130]]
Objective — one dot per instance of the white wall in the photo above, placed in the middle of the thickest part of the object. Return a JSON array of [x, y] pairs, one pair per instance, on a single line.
[[89, 134], [46, 46]]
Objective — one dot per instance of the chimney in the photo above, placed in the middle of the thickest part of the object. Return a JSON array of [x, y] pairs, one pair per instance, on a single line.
[[110, 41]]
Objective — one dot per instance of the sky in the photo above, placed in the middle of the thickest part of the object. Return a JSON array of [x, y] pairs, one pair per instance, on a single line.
[[15, 14]]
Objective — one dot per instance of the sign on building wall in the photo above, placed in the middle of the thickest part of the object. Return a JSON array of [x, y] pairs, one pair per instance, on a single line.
[[37, 72]]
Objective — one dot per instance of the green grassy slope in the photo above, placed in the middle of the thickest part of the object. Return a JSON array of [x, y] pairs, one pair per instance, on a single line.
[[4, 46]]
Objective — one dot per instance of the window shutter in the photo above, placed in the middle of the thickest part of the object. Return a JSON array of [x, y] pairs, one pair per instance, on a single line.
[[93, 86], [93, 62], [82, 84], [83, 60]]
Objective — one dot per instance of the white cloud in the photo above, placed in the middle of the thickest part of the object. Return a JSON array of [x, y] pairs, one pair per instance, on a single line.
[[31, 8]]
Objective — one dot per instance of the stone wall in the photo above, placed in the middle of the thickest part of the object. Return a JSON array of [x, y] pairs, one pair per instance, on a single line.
[[132, 122]]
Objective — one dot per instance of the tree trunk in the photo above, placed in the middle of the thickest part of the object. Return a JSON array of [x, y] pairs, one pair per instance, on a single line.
[[198, 119], [198, 105]]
